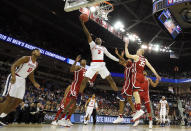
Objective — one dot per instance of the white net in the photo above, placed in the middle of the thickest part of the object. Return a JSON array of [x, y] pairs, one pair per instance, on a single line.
[[103, 9]]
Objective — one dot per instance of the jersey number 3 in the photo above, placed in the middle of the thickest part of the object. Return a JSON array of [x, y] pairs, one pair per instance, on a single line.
[[29, 70], [99, 51]]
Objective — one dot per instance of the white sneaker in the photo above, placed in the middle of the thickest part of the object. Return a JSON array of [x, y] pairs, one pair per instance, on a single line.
[[70, 123], [118, 120], [138, 115], [62, 122], [54, 123], [136, 123], [150, 124]]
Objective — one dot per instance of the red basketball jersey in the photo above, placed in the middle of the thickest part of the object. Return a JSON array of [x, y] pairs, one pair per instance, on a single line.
[[139, 66], [127, 72], [78, 77]]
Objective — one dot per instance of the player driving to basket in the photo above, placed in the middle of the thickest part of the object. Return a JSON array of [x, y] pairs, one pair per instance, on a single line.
[[97, 65]]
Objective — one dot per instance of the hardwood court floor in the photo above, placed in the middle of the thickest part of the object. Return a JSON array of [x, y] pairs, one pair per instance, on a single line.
[[90, 127]]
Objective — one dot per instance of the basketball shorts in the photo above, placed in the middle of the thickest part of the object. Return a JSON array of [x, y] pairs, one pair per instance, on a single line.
[[97, 67], [144, 95], [127, 89], [163, 113], [16, 90], [89, 111], [137, 80]]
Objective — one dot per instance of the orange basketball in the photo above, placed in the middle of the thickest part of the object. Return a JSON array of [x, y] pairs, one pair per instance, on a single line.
[[84, 17]]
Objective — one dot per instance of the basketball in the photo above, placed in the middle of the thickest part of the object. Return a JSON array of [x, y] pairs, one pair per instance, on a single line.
[[84, 17]]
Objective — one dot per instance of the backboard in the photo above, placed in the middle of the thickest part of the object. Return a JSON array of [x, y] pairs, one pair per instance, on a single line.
[[71, 5]]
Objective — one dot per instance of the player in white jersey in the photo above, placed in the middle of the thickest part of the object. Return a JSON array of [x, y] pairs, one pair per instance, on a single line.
[[164, 109], [97, 65], [89, 109], [15, 85]]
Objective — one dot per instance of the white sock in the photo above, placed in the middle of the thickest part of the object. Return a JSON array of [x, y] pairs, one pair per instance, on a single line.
[[3, 115]]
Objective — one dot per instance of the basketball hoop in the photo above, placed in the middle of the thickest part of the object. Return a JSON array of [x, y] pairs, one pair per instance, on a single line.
[[104, 8]]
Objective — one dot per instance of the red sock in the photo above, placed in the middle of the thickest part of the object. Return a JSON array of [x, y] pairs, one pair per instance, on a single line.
[[63, 115], [57, 114], [138, 106], [150, 118], [120, 115], [68, 117]]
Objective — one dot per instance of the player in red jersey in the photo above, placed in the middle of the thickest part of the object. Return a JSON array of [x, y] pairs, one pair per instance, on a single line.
[[144, 95], [137, 76], [68, 103], [127, 90]]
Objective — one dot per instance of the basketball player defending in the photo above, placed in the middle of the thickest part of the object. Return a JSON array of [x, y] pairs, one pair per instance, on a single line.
[[164, 109], [144, 95], [97, 65], [15, 85], [137, 76], [89, 109], [127, 90], [68, 103]]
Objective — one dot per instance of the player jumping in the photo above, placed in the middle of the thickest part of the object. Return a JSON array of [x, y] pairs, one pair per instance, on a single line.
[[127, 90], [97, 65], [144, 95], [137, 76], [15, 85]]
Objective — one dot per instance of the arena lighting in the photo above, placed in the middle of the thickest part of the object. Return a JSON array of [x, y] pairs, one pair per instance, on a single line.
[[144, 46], [122, 29], [156, 48], [118, 25], [131, 37], [92, 9]]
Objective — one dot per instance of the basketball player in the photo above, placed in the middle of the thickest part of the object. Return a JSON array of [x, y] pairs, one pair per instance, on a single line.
[[137, 76], [68, 103], [97, 65], [89, 109], [15, 86], [144, 95], [164, 109], [127, 90]]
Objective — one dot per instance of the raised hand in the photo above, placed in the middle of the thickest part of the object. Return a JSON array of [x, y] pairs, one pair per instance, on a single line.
[[116, 51], [78, 58]]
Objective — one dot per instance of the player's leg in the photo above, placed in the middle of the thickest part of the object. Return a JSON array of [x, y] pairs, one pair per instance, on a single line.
[[112, 83], [161, 117], [129, 100], [164, 117], [83, 84], [121, 111]]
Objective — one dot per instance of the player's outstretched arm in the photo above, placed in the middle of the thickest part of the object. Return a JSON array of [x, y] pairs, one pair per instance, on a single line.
[[120, 56], [74, 67], [32, 79], [134, 57], [152, 69], [154, 84], [17, 63], [88, 35], [109, 55]]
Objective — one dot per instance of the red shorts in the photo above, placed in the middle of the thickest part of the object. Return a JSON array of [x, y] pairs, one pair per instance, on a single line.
[[74, 91], [144, 95], [137, 80], [127, 89]]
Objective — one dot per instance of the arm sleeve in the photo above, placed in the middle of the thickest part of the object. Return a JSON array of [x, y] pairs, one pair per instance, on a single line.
[[96, 105], [92, 44], [110, 55]]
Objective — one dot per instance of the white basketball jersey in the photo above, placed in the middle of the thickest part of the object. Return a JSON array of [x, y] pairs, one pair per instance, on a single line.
[[25, 69], [91, 103], [163, 104], [97, 51]]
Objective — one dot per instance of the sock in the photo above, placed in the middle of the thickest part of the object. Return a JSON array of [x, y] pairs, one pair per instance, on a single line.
[[138, 106], [148, 107], [120, 115], [3, 115], [63, 115], [57, 114], [150, 118], [68, 117]]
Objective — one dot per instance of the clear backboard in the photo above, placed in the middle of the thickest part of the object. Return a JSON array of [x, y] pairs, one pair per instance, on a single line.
[[71, 5]]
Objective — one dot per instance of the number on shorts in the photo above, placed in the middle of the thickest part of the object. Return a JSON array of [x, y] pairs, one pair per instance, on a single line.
[[29, 70]]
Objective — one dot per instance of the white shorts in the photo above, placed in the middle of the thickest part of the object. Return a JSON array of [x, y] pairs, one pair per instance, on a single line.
[[89, 111], [163, 112], [16, 90], [97, 67]]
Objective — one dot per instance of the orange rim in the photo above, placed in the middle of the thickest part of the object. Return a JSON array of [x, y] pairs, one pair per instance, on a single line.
[[106, 2]]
